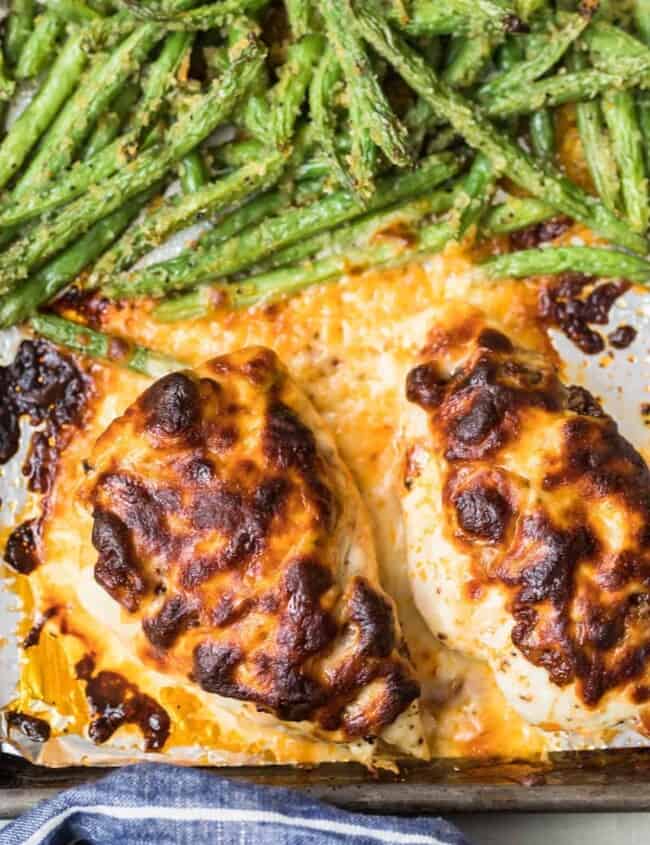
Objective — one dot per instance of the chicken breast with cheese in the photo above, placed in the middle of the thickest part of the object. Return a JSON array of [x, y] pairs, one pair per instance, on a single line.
[[226, 525], [528, 523]]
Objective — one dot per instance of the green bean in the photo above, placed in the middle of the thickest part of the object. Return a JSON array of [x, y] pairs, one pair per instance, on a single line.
[[268, 286], [40, 288], [454, 17], [178, 212], [314, 168], [641, 10], [364, 157], [107, 33], [616, 51], [317, 247], [560, 89], [620, 115], [516, 213], [191, 172], [542, 135], [510, 54], [444, 138], [108, 126], [73, 11], [596, 145], [475, 192], [286, 97], [113, 157], [18, 28], [594, 261], [104, 7], [552, 48], [210, 16], [527, 9], [322, 92], [290, 280], [160, 79], [7, 85], [187, 306], [184, 307], [400, 217], [38, 115], [39, 47], [506, 156], [95, 344], [255, 116], [252, 212], [193, 268], [372, 119], [189, 130], [299, 13], [419, 120], [621, 60], [467, 60], [106, 130], [91, 99], [237, 153]]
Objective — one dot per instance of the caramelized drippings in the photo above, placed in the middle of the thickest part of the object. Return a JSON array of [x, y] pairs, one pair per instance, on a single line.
[[540, 233], [34, 634], [48, 388], [622, 337], [115, 702], [35, 729], [563, 305]]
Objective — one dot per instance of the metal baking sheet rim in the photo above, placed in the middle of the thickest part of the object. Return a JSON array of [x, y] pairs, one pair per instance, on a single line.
[[622, 381]]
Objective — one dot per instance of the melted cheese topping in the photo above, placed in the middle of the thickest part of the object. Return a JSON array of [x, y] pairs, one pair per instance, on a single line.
[[348, 345], [226, 524], [528, 518]]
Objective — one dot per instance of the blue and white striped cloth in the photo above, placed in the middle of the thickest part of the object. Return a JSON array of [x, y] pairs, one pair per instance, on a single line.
[[168, 805]]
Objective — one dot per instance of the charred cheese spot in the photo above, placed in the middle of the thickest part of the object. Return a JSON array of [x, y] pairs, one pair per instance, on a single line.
[[424, 386], [552, 506], [481, 501], [171, 406], [222, 523], [482, 512], [116, 568], [478, 405], [370, 612]]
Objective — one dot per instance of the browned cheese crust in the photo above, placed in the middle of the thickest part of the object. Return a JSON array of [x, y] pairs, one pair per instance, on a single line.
[[549, 500], [221, 524]]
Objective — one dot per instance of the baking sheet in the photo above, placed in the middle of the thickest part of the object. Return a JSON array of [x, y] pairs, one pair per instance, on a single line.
[[622, 382], [617, 781]]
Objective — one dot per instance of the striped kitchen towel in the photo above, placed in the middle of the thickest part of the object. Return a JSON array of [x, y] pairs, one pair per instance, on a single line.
[[169, 805]]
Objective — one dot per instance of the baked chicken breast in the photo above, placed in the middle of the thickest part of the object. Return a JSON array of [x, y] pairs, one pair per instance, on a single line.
[[227, 526], [528, 523]]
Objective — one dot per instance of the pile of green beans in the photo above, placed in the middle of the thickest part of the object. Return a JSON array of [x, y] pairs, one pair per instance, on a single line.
[[297, 131]]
